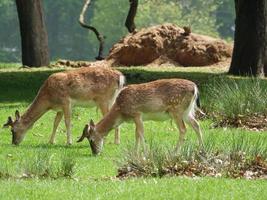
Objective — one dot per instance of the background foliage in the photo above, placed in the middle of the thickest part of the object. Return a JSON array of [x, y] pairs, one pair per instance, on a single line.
[[68, 40]]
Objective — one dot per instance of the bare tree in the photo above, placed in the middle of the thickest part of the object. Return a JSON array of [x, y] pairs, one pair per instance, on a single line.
[[129, 23], [98, 35]]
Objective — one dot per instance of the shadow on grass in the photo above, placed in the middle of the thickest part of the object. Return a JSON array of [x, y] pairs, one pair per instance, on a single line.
[[22, 86], [17, 86], [137, 75]]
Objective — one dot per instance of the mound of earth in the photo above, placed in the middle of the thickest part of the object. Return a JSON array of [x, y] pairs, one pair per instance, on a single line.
[[168, 44]]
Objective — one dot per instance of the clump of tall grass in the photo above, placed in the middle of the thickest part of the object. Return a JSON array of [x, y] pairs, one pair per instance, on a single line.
[[146, 164], [5, 171], [234, 158], [66, 168], [45, 164], [40, 164], [231, 98]]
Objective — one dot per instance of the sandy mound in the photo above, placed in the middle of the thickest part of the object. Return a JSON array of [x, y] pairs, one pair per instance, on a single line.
[[168, 44]]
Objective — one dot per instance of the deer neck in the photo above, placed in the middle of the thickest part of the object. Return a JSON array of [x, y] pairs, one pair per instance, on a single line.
[[34, 112], [111, 120]]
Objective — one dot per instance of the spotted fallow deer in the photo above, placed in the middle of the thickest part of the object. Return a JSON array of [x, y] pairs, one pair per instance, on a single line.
[[89, 86], [157, 100]]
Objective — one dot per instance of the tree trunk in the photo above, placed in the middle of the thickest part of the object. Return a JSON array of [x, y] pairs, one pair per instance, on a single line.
[[250, 43], [34, 40]]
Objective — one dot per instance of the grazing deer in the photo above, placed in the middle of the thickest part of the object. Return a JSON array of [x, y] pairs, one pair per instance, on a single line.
[[157, 100], [89, 85]]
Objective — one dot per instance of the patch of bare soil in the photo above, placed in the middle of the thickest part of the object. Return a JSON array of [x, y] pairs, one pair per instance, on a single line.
[[169, 44]]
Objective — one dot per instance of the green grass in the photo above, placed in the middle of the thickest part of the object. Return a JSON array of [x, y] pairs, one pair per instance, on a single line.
[[150, 188], [230, 97], [92, 177], [232, 157], [7, 66]]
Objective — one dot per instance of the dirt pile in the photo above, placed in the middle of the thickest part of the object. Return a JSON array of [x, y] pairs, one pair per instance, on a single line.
[[168, 44]]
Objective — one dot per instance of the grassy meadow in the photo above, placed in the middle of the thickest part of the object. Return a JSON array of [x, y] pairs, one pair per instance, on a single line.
[[38, 170]]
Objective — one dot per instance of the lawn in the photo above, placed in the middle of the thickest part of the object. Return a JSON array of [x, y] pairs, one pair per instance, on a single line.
[[94, 177]]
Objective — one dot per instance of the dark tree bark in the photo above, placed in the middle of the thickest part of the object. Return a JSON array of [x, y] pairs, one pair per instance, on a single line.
[[250, 43], [100, 37], [34, 40], [129, 23]]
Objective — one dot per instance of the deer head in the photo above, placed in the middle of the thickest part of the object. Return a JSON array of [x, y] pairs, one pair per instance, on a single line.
[[91, 134], [17, 130]]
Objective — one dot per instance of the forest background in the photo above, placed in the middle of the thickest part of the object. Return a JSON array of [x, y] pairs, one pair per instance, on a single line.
[[67, 39]]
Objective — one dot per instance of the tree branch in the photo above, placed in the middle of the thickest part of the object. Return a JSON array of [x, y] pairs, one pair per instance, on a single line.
[[98, 35], [129, 23]]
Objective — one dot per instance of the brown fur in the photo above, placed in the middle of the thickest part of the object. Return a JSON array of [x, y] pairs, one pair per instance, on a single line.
[[64, 89], [157, 96], [83, 84], [167, 96]]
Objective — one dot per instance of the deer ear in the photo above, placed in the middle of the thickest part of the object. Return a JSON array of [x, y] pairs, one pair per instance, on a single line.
[[86, 130], [8, 123], [85, 133], [92, 124], [17, 115]]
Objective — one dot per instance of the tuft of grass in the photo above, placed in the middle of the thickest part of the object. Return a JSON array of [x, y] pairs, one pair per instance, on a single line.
[[5, 170], [244, 144], [243, 158], [40, 164], [230, 98], [67, 166]]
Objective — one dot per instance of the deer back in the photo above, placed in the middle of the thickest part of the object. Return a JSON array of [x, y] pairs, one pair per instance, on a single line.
[[156, 96], [88, 83]]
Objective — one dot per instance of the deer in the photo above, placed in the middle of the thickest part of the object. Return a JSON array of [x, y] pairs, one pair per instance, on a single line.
[[91, 86], [157, 100]]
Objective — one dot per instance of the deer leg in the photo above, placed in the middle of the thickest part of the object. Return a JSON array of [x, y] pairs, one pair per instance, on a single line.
[[56, 123], [193, 122], [139, 132], [117, 138], [104, 109], [182, 130], [67, 117]]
